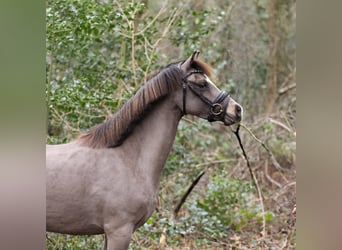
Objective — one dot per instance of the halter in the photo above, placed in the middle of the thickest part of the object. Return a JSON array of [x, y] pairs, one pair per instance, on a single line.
[[216, 108]]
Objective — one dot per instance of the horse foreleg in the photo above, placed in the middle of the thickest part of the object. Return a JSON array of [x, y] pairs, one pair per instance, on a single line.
[[105, 242], [118, 238]]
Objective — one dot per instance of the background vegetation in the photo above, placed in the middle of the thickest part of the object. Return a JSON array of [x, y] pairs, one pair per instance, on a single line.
[[100, 52]]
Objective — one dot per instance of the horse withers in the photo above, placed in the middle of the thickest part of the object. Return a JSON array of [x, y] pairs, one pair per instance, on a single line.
[[107, 180]]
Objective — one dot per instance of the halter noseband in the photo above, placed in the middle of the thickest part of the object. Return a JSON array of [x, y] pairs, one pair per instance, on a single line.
[[216, 108]]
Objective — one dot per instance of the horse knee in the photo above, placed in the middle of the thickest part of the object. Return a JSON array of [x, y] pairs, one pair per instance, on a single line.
[[105, 242], [118, 238]]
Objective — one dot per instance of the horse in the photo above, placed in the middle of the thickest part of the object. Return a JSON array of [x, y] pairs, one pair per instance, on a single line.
[[106, 181]]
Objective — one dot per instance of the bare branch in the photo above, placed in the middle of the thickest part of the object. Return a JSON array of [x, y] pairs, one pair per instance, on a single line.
[[287, 88], [161, 11], [281, 125], [270, 154], [268, 177]]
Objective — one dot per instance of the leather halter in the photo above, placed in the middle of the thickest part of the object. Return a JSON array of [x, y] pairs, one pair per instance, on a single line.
[[216, 107]]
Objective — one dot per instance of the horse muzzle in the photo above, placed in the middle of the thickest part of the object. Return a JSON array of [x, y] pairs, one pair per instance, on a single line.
[[228, 111], [233, 113]]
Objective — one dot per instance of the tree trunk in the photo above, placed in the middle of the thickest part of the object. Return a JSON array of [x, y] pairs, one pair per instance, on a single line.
[[271, 91]]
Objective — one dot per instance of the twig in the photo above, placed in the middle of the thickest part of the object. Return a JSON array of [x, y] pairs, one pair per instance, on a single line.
[[286, 88], [62, 118], [283, 189], [154, 46], [161, 11], [281, 125], [170, 21], [211, 163], [283, 89], [131, 26], [133, 49], [190, 121], [48, 238], [271, 156], [268, 177]]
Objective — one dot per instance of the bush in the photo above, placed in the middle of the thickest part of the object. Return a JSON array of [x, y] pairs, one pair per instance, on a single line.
[[240, 206]]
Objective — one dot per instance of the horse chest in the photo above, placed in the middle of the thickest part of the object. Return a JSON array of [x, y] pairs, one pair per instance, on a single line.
[[144, 203], [146, 209], [129, 200]]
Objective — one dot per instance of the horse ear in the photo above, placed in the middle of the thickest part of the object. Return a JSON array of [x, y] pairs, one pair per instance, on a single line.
[[186, 65]]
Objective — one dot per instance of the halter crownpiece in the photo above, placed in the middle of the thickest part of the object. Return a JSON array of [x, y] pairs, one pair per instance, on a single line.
[[216, 107]]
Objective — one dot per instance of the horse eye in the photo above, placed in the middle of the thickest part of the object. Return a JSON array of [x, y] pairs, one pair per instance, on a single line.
[[203, 84]]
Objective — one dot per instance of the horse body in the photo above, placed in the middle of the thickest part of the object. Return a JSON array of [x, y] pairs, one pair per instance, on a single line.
[[82, 197], [94, 188], [89, 188]]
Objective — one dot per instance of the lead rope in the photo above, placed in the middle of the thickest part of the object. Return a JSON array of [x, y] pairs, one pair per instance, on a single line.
[[254, 179], [255, 182]]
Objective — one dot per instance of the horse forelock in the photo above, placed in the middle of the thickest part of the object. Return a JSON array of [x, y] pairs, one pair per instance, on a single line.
[[115, 130], [202, 66]]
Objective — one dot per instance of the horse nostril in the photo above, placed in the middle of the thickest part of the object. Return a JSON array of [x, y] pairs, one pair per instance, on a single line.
[[238, 110]]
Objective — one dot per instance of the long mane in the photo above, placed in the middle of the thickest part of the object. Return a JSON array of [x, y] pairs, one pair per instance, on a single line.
[[116, 129]]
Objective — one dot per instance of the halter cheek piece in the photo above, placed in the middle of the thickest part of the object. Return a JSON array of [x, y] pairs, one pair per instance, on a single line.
[[216, 108]]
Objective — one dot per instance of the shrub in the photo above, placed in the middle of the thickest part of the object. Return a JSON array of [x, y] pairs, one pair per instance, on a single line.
[[240, 206]]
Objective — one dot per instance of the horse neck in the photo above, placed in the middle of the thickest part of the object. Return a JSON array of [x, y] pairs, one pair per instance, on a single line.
[[151, 141]]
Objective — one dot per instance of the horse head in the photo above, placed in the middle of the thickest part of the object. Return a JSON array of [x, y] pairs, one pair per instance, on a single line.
[[201, 97]]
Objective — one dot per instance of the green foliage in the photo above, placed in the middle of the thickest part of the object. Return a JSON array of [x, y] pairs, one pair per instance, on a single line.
[[280, 144], [193, 28], [60, 241], [92, 63], [240, 206], [283, 151], [210, 215]]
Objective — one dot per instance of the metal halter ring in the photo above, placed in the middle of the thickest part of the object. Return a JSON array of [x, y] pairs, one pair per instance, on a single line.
[[213, 108]]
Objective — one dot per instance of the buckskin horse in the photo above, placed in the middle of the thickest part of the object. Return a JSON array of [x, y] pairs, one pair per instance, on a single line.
[[106, 181]]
